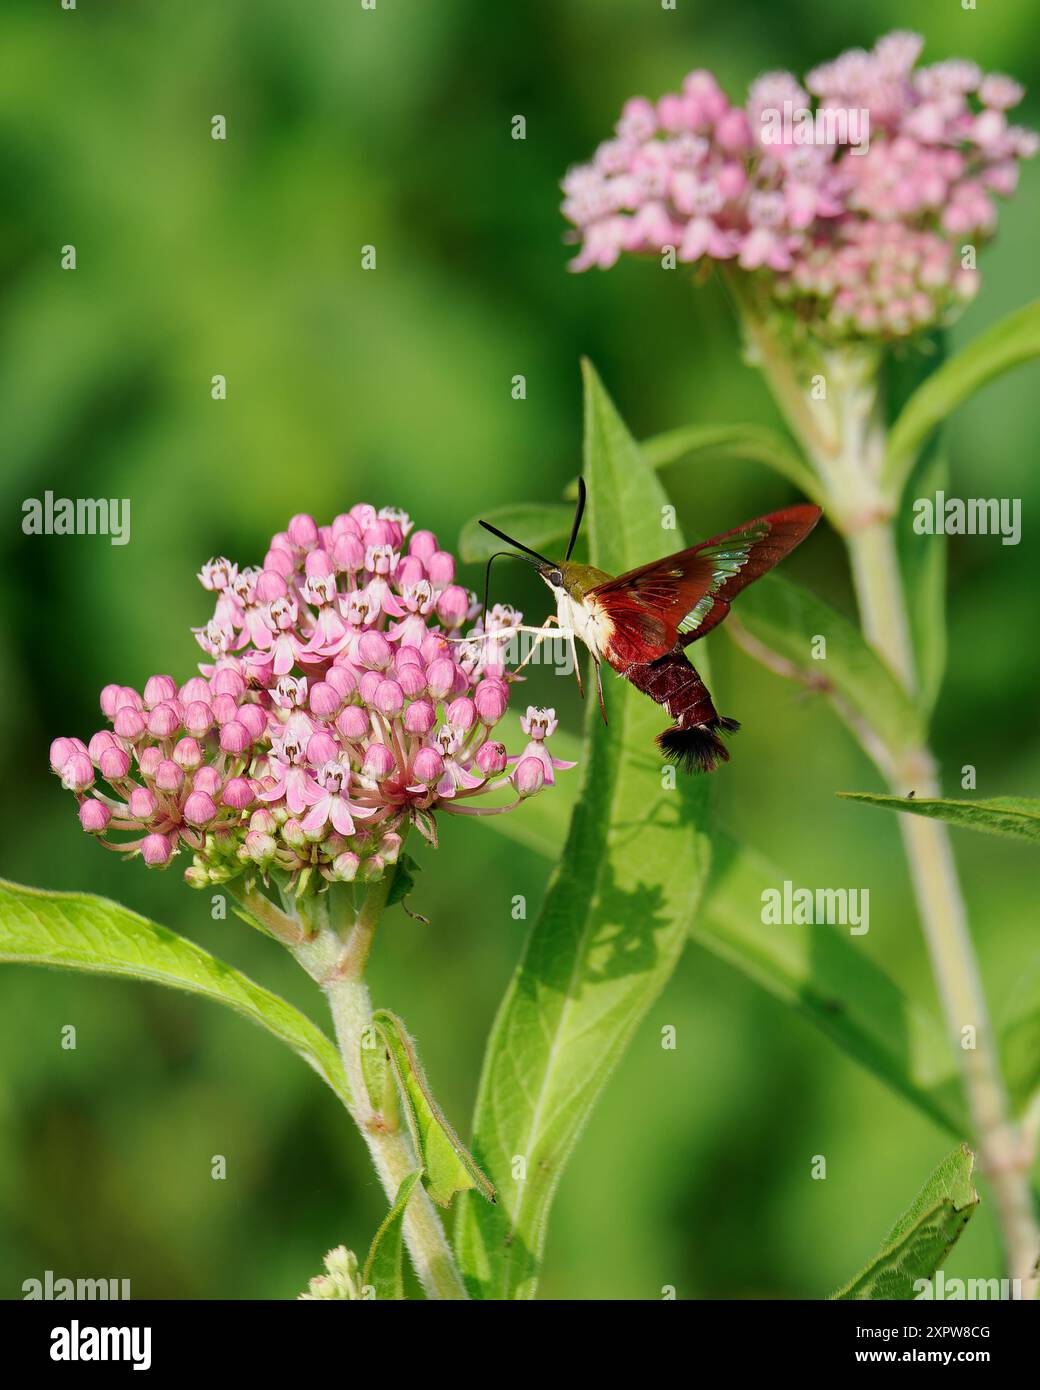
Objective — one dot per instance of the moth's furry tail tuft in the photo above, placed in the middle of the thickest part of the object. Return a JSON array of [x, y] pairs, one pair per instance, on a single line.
[[698, 749]]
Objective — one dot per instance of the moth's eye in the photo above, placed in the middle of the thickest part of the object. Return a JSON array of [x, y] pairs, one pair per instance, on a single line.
[[556, 579]]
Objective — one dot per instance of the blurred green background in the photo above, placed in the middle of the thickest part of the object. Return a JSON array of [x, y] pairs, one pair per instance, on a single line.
[[197, 257]]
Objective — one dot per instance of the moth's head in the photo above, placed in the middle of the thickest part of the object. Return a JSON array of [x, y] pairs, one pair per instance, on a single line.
[[554, 576]]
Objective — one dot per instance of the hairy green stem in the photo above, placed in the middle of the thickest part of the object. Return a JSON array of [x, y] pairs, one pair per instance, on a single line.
[[850, 470], [335, 955], [1005, 1153]]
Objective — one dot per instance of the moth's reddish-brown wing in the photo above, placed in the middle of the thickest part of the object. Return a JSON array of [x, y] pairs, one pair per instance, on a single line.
[[683, 596]]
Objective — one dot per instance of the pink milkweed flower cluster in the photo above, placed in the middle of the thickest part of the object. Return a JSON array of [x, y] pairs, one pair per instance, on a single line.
[[339, 705], [867, 240]]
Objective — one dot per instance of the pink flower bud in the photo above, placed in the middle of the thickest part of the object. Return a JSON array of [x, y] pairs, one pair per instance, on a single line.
[[303, 532], [157, 689], [254, 718], [374, 651], [109, 698], [168, 776], [263, 821], [228, 682], [491, 758], [379, 762], [318, 564], [352, 723], [192, 690], [388, 698], [422, 544], [99, 742], [322, 748], [409, 571], [428, 766], [207, 780], [62, 750], [260, 848], [348, 554], [238, 793], [235, 738], [490, 699], [433, 646], [345, 867], [453, 606], [271, 584], [200, 808], [412, 680], [440, 568], [94, 816], [529, 777], [461, 714], [77, 773], [368, 685], [142, 803], [342, 680], [390, 847], [225, 708], [114, 764], [128, 723], [325, 699], [278, 561], [187, 754], [198, 718], [440, 677], [294, 834], [163, 721], [148, 760], [156, 851], [420, 717]]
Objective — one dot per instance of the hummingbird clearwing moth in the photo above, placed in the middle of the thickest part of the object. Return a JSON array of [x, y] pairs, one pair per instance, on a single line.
[[641, 622]]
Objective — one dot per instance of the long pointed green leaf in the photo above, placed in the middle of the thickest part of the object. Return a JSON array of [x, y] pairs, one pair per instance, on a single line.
[[447, 1165], [1012, 341], [785, 618], [77, 931], [614, 922], [1020, 1042], [384, 1273], [833, 981], [1016, 817], [923, 561], [923, 1236]]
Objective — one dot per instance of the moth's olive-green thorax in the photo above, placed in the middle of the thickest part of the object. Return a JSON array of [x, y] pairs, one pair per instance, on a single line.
[[573, 579]]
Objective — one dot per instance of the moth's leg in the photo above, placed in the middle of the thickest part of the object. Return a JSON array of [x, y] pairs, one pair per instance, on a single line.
[[541, 634], [599, 690], [577, 666]]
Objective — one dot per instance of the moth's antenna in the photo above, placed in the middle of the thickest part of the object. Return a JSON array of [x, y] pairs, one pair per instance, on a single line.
[[579, 512], [519, 544], [487, 572]]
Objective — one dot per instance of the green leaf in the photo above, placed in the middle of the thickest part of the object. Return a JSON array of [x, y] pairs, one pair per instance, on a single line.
[[539, 525], [923, 1236], [614, 922], [76, 931], [830, 978], [447, 1166], [785, 618], [383, 1268], [1016, 817], [722, 443], [1012, 341]]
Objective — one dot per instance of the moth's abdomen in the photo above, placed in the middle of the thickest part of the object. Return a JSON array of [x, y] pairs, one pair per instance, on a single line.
[[673, 683]]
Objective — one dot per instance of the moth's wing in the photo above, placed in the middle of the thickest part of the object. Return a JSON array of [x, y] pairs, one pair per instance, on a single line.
[[683, 596]]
